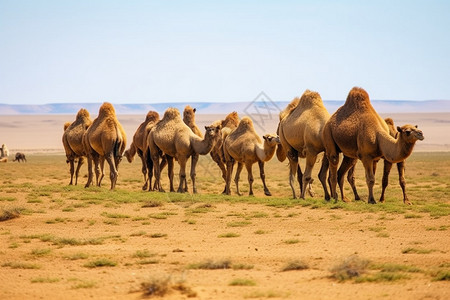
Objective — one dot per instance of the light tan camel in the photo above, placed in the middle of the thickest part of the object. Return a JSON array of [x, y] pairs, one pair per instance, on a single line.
[[386, 170], [300, 132], [175, 139], [4, 151], [228, 124], [189, 120], [244, 146], [357, 131], [105, 138], [139, 146], [73, 142]]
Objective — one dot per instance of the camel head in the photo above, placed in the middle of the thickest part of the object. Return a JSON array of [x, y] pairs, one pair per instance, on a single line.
[[271, 139], [410, 133], [128, 155], [189, 114], [213, 132]]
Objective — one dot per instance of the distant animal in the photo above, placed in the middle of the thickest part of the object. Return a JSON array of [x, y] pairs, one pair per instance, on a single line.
[[357, 131], [105, 138], [20, 157], [73, 142], [244, 146], [4, 151]]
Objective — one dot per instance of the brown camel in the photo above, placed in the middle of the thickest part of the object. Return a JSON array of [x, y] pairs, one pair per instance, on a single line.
[[20, 157], [386, 170], [357, 131], [175, 139], [73, 141], [228, 124], [244, 146], [300, 132], [139, 145], [105, 138]]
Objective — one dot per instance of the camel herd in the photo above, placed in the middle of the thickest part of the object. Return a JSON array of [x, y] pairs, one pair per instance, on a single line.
[[4, 154], [305, 130]]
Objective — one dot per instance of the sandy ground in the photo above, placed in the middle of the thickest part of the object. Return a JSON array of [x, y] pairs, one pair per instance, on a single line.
[[37, 133]]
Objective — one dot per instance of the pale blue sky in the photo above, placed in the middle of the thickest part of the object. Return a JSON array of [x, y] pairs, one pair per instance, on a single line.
[[221, 51]]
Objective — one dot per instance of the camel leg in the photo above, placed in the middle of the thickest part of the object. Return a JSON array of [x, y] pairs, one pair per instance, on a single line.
[[370, 178], [385, 181], [346, 165], [182, 163], [402, 181], [113, 173], [90, 172], [248, 166], [72, 167], [95, 158], [323, 176], [170, 172], [80, 163], [263, 178], [144, 167], [157, 170], [333, 176], [236, 177], [149, 168], [310, 161], [351, 181], [230, 165], [194, 160], [293, 168], [161, 165]]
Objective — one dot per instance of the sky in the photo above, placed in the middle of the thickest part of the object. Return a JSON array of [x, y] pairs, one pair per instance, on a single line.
[[221, 51]]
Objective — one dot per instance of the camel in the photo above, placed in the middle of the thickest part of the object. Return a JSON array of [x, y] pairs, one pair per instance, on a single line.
[[189, 120], [106, 139], [20, 157], [4, 151], [300, 132], [228, 124], [386, 170], [244, 146], [73, 142], [175, 139], [139, 145], [357, 131]]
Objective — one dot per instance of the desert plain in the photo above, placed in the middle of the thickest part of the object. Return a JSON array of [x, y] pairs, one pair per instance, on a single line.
[[71, 242]]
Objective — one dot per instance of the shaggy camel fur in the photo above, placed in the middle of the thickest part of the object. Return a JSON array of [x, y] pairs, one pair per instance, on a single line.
[[20, 157], [73, 142], [386, 170], [357, 131], [300, 132], [244, 146], [139, 146], [175, 139], [228, 124], [105, 138]]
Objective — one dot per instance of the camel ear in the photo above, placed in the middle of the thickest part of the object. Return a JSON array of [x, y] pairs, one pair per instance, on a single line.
[[264, 137], [399, 129], [194, 109], [206, 127], [417, 126]]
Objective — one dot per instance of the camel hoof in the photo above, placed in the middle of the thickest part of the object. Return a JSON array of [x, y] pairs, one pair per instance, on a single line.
[[267, 193], [345, 199], [357, 198], [144, 188], [407, 202], [371, 201]]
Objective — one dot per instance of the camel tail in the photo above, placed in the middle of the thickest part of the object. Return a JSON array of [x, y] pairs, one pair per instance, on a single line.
[[118, 144]]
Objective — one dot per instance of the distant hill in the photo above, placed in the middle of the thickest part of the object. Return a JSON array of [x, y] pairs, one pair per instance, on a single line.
[[259, 106]]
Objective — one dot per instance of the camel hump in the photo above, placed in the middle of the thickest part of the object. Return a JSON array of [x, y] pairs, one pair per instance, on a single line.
[[389, 121], [152, 116], [66, 125], [107, 109], [171, 113], [246, 123], [358, 98], [310, 98], [83, 114], [290, 107], [231, 120]]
